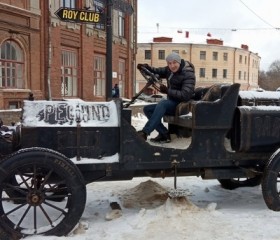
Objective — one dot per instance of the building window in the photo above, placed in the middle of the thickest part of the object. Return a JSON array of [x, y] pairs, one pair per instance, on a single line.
[[121, 24], [121, 76], [11, 65], [99, 76], [225, 56], [214, 73], [245, 60], [148, 54], [239, 75], [215, 56], [224, 73], [245, 75], [67, 3], [69, 73], [202, 72], [161, 54], [97, 6], [175, 51], [14, 104], [240, 58], [202, 55]]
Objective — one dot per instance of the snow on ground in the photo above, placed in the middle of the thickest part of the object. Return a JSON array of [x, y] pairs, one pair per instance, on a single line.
[[204, 210]]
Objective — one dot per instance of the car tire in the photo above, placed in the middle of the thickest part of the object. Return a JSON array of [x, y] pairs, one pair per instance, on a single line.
[[234, 183], [40, 174], [271, 182]]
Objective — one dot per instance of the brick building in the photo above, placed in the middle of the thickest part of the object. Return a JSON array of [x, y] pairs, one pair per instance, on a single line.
[[214, 62], [55, 59]]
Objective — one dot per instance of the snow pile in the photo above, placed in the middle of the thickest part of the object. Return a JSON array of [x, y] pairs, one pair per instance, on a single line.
[[147, 194], [150, 195]]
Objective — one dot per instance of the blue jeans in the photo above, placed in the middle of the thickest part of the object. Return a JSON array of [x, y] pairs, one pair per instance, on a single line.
[[155, 112]]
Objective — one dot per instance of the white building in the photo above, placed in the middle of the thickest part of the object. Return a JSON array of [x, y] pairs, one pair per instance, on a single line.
[[214, 62]]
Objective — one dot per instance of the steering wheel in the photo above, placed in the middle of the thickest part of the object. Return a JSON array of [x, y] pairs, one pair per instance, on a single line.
[[151, 78]]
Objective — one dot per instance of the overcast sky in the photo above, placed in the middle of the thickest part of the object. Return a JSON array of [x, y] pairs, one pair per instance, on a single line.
[[236, 22]]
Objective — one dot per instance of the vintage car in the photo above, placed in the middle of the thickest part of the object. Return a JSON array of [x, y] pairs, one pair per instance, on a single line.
[[61, 146]]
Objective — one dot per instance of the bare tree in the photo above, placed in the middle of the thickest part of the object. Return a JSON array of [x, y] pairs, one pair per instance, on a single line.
[[263, 80], [273, 74], [270, 80]]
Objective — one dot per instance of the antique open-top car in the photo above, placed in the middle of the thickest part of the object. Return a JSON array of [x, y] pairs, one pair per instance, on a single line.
[[60, 146]]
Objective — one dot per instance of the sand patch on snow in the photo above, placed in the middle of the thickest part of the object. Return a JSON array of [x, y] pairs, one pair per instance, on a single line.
[[150, 194]]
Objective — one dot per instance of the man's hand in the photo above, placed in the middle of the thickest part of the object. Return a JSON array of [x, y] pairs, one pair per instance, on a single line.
[[141, 65], [163, 88]]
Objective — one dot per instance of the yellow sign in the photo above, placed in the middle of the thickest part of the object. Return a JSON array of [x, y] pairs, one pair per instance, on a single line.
[[74, 15]]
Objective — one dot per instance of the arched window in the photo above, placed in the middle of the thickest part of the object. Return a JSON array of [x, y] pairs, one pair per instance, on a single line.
[[11, 65]]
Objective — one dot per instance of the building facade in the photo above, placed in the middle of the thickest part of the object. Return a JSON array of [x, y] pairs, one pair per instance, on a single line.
[[57, 59], [214, 63]]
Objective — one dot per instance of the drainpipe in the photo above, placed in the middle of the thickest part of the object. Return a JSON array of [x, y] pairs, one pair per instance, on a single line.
[[152, 54], [109, 38], [234, 65], [249, 72], [191, 48]]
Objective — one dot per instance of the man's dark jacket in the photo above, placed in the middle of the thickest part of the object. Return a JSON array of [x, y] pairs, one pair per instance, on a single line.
[[180, 84]]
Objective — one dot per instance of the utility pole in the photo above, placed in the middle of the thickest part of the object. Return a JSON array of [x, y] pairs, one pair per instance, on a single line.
[[109, 40], [126, 8], [49, 52]]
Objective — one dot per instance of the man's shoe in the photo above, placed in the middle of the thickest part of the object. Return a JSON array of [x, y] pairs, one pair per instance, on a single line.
[[158, 138], [142, 135], [162, 138]]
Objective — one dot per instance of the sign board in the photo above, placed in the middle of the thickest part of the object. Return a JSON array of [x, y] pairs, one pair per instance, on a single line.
[[80, 16], [69, 113]]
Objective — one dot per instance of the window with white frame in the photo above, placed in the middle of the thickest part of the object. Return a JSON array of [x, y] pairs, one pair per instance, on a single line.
[[148, 54], [68, 3], [224, 73], [225, 56], [239, 75], [202, 72], [215, 56], [97, 6], [121, 77], [161, 54], [69, 73], [202, 55], [214, 73], [99, 76], [121, 24], [11, 65], [14, 104], [240, 58]]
